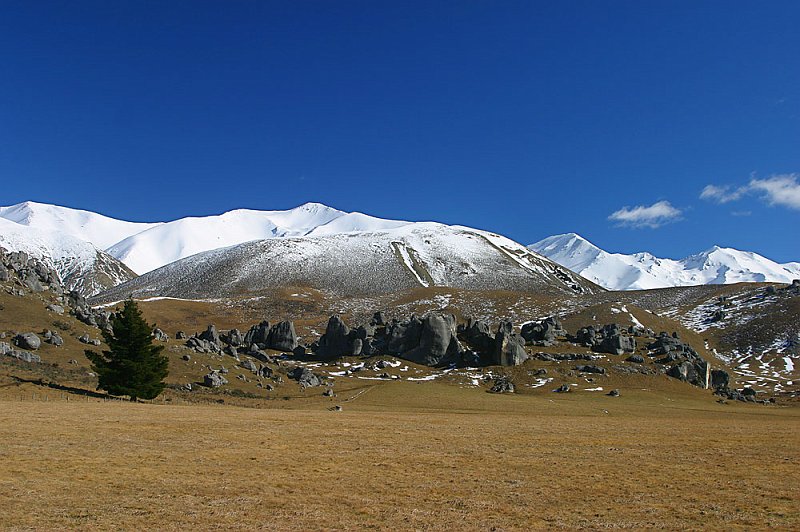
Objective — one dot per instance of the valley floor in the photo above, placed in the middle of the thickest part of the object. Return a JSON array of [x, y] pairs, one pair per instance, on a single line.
[[402, 455]]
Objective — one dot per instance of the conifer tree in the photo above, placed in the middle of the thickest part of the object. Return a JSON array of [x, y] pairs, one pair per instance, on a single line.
[[132, 365]]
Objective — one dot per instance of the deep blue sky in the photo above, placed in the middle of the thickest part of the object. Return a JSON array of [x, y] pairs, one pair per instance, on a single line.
[[526, 118]]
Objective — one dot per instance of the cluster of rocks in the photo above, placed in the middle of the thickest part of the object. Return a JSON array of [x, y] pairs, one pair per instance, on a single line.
[[280, 337], [794, 288], [681, 360], [20, 354], [34, 275], [560, 357], [502, 384], [52, 338], [504, 348], [720, 383], [215, 379], [86, 339], [608, 339], [305, 377], [207, 341], [544, 333], [29, 273], [160, 335], [430, 340], [83, 312]]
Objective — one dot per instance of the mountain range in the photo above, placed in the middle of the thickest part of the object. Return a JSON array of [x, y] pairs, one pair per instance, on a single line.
[[244, 250], [643, 271]]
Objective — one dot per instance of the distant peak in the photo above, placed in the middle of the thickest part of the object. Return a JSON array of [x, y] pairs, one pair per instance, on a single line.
[[313, 206]]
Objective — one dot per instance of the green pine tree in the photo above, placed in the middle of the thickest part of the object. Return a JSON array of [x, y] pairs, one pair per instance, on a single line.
[[132, 366]]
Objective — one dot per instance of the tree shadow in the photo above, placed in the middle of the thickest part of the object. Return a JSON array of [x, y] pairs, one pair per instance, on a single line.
[[63, 388]]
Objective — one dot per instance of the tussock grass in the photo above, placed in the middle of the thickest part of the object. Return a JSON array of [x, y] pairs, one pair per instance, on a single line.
[[406, 456]]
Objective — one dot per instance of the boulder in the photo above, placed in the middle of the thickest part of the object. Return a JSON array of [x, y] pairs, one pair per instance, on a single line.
[[282, 337], [564, 388], [613, 393], [476, 334], [638, 359], [509, 348], [257, 335], [693, 372], [214, 379], [543, 333], [378, 319], [52, 338], [299, 351], [586, 336], [27, 341], [720, 379], [202, 346], [305, 377], [358, 346], [591, 369], [616, 344], [160, 335], [58, 309], [210, 335], [502, 385], [336, 341], [233, 338], [437, 341], [25, 356], [403, 336], [249, 365]]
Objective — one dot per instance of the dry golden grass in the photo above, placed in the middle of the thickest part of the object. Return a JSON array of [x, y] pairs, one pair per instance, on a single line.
[[403, 455]]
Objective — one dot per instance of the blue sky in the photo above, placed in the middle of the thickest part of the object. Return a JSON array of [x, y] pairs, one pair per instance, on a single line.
[[609, 119]]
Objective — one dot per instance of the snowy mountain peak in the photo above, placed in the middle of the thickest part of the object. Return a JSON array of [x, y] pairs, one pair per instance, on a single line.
[[101, 231], [616, 271]]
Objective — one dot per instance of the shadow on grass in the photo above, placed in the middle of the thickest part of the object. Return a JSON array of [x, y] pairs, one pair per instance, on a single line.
[[63, 388]]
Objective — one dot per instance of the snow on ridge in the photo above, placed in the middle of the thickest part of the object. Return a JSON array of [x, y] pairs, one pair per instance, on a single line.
[[102, 231], [641, 271]]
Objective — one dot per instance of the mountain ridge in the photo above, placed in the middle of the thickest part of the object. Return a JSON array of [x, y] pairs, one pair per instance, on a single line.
[[423, 254], [642, 271]]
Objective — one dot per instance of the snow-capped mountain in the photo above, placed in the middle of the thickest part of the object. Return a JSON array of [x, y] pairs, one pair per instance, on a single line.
[[373, 262], [171, 241], [394, 252], [80, 264], [641, 271], [100, 230]]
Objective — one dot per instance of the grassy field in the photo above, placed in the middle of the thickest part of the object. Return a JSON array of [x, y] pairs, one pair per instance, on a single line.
[[403, 455]]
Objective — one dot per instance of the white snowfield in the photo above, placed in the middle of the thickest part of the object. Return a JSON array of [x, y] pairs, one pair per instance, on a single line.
[[100, 230], [642, 271]]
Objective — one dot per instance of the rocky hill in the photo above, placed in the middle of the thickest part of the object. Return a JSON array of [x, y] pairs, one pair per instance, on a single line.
[[361, 263], [79, 264]]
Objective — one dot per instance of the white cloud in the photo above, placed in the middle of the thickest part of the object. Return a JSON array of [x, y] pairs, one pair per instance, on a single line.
[[655, 215], [779, 190], [723, 194]]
